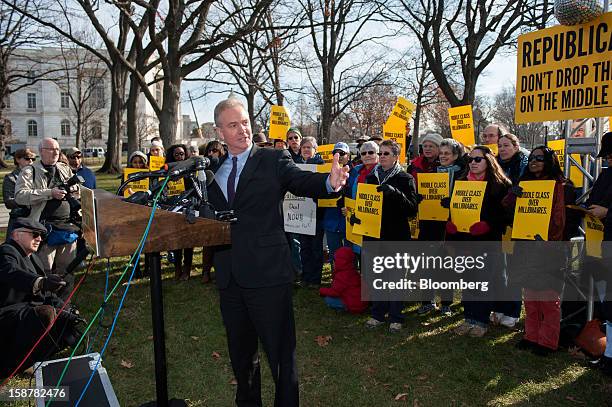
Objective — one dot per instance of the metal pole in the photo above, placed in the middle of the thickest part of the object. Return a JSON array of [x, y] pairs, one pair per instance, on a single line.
[[193, 108]]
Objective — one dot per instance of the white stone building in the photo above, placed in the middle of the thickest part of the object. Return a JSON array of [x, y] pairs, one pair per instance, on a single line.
[[45, 108]]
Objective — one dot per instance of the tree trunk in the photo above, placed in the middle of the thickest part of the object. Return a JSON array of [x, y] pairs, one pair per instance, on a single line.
[[251, 104], [326, 112], [112, 160], [168, 121], [132, 116]]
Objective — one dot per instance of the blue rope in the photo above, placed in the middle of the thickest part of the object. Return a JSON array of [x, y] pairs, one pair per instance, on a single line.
[[103, 306], [112, 329]]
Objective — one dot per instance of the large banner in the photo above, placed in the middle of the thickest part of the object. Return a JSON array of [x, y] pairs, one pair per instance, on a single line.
[[533, 209], [466, 203], [300, 213], [563, 72], [433, 187]]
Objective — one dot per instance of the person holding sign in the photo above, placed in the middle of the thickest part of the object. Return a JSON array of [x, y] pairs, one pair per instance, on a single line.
[[369, 160], [294, 140], [482, 167], [399, 203], [542, 302], [183, 258], [511, 157], [452, 161], [600, 206], [157, 148]]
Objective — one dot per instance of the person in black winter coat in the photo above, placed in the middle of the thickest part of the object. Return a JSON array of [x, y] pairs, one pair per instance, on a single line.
[[399, 203]]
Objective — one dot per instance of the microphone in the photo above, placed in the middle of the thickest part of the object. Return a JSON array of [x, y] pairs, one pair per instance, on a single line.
[[206, 177], [186, 166]]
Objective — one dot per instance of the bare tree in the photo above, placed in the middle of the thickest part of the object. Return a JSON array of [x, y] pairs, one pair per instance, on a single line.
[[338, 29], [468, 33], [371, 111]]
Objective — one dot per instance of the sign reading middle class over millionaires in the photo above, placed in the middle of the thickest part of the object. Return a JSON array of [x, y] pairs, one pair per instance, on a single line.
[[279, 122], [564, 72], [533, 210], [462, 124], [368, 210], [433, 187], [466, 203]]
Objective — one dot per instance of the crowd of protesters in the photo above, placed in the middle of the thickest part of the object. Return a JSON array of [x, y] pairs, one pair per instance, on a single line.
[[34, 191]]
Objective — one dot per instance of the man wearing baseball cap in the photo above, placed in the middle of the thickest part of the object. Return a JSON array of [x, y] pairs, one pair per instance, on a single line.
[[28, 301], [75, 159]]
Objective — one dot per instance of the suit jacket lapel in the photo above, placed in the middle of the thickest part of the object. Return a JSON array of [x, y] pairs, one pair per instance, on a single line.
[[249, 169], [214, 187]]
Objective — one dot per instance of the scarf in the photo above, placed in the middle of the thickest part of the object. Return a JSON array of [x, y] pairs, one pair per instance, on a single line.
[[472, 177], [383, 176]]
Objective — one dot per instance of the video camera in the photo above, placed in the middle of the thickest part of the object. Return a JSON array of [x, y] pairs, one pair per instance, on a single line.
[[70, 182]]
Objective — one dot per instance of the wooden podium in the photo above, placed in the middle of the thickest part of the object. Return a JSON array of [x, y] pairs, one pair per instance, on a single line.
[[113, 228]]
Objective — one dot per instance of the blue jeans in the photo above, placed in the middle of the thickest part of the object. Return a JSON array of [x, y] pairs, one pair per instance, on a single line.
[[335, 303], [311, 253]]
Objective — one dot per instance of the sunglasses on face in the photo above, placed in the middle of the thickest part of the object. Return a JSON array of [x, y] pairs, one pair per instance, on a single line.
[[478, 160], [29, 159], [293, 138], [385, 153], [539, 158], [76, 156], [179, 153], [339, 152], [35, 235], [364, 153]]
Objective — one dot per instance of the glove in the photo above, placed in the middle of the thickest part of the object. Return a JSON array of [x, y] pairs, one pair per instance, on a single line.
[[419, 198], [445, 202], [516, 190], [451, 228], [386, 189], [52, 282], [340, 202], [354, 220], [479, 228]]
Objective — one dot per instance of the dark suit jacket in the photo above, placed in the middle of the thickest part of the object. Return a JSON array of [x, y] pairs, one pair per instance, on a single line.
[[18, 274], [259, 255]]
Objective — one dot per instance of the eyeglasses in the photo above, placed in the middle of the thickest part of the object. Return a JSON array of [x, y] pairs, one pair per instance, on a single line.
[[538, 158], [293, 138], [76, 156], [29, 158], [478, 160], [179, 153], [385, 153], [339, 152], [364, 153], [35, 235]]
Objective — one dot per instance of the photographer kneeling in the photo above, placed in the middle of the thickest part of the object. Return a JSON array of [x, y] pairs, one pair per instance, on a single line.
[[28, 303]]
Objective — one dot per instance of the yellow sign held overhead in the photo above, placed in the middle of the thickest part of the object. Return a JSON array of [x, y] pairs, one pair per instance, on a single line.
[[462, 124], [466, 203], [395, 129], [563, 72], [368, 209], [433, 187], [279, 123], [402, 110], [533, 210], [349, 204]]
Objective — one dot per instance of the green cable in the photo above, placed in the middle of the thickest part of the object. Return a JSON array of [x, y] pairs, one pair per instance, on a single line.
[[95, 317]]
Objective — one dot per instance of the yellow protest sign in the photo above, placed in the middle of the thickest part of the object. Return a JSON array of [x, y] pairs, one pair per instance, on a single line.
[[155, 163], [176, 187], [349, 204], [462, 124], [507, 243], [594, 232], [402, 110], [533, 209], [395, 129], [414, 227], [563, 72], [466, 203], [433, 187], [493, 148], [327, 203], [325, 151], [368, 209], [279, 123], [142, 185], [575, 174]]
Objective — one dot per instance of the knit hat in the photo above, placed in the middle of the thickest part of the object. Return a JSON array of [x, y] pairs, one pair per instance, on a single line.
[[157, 143], [295, 130], [432, 138], [138, 154]]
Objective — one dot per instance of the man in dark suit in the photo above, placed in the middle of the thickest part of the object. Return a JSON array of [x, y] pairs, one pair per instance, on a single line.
[[255, 273]]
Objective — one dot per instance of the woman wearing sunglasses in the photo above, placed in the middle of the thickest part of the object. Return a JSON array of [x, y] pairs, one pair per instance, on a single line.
[[369, 158], [399, 204], [21, 158], [482, 166], [183, 258], [541, 291]]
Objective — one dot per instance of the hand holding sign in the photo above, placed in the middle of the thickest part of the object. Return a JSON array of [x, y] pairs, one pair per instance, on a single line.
[[338, 174]]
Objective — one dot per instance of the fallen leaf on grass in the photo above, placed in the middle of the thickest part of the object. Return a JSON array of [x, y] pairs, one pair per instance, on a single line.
[[323, 340], [370, 370], [127, 364], [216, 355], [575, 352], [233, 381], [422, 377], [401, 396]]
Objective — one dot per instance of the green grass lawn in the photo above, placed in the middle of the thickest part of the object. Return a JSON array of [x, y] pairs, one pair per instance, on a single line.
[[424, 365]]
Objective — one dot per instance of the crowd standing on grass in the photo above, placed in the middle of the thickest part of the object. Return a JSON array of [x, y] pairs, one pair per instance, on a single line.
[[44, 235]]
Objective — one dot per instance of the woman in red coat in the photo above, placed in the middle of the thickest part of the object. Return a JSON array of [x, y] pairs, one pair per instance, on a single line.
[[345, 291]]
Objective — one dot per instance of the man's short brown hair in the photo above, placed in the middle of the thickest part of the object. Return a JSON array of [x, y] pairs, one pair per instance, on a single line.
[[224, 105]]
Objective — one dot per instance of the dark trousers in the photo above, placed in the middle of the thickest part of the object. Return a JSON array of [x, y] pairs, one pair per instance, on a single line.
[[311, 253], [477, 311], [393, 308], [266, 314]]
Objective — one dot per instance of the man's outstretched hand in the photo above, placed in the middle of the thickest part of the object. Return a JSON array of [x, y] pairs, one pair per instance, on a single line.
[[338, 174]]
